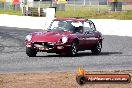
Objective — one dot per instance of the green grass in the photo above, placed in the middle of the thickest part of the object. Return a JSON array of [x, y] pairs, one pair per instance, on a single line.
[[93, 12], [101, 12], [11, 12]]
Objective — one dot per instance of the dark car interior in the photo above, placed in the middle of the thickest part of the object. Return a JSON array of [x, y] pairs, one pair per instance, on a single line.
[[79, 29]]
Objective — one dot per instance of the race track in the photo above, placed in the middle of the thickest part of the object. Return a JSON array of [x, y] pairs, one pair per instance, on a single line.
[[116, 55]]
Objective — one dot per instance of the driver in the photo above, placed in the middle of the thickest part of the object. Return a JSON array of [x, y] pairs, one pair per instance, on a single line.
[[66, 25], [61, 24]]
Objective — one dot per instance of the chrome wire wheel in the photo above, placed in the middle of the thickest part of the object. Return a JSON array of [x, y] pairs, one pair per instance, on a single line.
[[99, 46], [73, 49], [97, 49]]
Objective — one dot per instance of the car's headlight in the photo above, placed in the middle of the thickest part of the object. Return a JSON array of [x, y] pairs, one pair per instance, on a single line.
[[64, 39], [28, 37]]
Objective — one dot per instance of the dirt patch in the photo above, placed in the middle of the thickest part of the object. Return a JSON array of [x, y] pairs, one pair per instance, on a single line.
[[53, 80]]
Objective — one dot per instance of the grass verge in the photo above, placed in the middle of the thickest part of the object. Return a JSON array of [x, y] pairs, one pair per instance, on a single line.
[[94, 13], [83, 11], [11, 12]]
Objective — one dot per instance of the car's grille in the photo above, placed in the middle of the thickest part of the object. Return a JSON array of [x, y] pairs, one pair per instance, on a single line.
[[46, 45]]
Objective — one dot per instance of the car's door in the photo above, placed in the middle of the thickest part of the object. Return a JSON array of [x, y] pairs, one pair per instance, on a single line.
[[78, 30], [90, 34], [81, 37]]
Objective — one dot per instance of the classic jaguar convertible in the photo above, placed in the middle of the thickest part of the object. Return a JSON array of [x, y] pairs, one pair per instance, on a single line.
[[65, 36]]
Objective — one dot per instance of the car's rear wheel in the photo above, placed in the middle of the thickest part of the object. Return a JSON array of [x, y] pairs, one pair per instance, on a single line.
[[73, 50], [97, 49], [31, 52]]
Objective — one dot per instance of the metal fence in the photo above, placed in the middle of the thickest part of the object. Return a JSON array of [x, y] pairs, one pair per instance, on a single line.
[[98, 5], [101, 5], [74, 5]]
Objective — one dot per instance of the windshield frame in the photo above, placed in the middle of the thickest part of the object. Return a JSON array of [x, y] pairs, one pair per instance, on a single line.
[[70, 25]]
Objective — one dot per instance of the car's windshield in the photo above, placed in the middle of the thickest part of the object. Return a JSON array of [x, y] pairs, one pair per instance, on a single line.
[[65, 25]]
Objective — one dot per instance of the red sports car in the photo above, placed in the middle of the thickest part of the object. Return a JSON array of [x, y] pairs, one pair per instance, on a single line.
[[65, 36]]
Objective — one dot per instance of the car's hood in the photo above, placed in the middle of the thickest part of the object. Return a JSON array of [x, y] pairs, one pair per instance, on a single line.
[[52, 36]]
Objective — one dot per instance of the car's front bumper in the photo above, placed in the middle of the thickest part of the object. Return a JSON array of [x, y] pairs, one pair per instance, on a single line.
[[49, 47]]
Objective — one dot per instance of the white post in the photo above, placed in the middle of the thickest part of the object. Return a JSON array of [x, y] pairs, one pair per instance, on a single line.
[[23, 8], [39, 8], [125, 5], [84, 2], [89, 4], [107, 2], [74, 5], [50, 14], [98, 6]]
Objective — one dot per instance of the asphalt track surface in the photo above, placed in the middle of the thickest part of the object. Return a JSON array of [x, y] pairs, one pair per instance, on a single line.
[[116, 55]]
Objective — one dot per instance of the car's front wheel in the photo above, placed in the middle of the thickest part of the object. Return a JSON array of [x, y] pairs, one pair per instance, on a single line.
[[73, 50], [30, 52], [97, 49]]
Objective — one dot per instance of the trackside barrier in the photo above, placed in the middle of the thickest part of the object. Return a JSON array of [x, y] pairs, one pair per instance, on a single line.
[[33, 11]]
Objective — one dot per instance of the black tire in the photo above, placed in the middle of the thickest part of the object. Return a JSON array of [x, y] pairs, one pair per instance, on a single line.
[[73, 50], [30, 52], [97, 49], [80, 80]]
